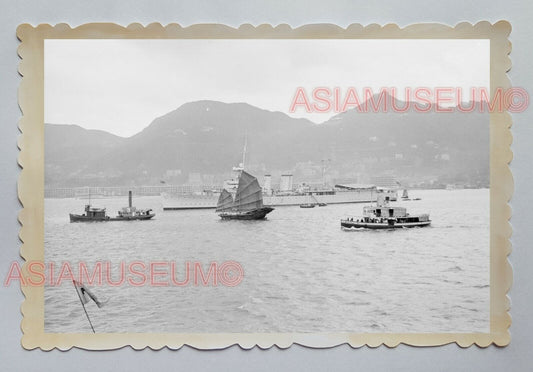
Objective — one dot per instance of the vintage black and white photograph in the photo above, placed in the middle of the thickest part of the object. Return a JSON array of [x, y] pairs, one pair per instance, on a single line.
[[210, 186], [267, 186]]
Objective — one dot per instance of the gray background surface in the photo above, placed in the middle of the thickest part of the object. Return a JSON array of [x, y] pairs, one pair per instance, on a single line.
[[516, 357]]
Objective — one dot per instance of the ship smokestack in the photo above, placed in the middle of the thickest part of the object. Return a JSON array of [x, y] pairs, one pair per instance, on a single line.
[[267, 185], [129, 199], [286, 182]]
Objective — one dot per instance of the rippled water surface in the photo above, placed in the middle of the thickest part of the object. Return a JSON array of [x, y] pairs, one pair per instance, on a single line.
[[302, 273]]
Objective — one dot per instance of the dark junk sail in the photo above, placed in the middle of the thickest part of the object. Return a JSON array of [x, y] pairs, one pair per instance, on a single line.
[[225, 201], [249, 195], [248, 202]]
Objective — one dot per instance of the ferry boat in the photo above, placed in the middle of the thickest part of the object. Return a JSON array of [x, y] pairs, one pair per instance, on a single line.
[[384, 216], [129, 213]]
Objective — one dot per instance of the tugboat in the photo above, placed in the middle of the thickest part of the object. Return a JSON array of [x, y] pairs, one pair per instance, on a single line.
[[128, 213], [383, 216], [248, 201], [91, 214]]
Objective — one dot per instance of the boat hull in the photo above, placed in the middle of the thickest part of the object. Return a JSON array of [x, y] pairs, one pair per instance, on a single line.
[[143, 217], [82, 218], [346, 224], [255, 214]]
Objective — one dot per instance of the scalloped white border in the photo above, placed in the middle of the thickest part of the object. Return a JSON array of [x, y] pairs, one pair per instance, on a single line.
[[31, 183]]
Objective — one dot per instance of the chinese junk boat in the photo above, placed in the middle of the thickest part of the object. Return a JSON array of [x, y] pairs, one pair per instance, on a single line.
[[383, 216], [128, 213], [248, 201]]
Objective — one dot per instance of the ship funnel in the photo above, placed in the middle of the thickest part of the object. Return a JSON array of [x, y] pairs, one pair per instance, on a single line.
[[286, 182], [267, 185], [129, 199]]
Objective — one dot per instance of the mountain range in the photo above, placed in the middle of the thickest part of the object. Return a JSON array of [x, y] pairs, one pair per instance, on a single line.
[[205, 139]]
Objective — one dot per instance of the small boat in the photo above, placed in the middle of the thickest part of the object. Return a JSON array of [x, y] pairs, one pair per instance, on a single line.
[[405, 195], [129, 213], [91, 214], [312, 202], [383, 216], [248, 201]]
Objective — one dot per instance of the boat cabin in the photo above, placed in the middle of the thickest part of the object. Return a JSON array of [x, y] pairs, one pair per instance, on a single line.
[[94, 212], [384, 211]]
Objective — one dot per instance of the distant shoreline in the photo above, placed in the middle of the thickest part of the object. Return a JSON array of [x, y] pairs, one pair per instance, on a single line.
[[98, 192]]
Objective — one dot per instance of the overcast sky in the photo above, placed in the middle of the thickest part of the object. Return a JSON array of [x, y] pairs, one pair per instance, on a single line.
[[120, 86]]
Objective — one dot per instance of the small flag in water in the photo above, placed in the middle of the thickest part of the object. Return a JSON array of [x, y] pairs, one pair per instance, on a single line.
[[85, 294]]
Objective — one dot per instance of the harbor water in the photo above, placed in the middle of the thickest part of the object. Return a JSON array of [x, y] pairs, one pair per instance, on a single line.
[[302, 273]]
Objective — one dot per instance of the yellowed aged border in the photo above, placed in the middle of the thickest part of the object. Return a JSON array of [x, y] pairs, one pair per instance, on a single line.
[[31, 182]]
